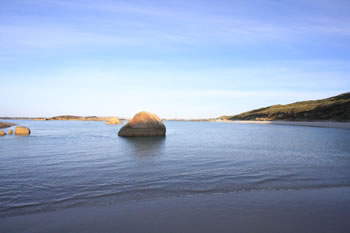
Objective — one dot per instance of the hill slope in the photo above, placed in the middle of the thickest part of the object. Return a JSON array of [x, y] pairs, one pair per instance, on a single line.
[[335, 108]]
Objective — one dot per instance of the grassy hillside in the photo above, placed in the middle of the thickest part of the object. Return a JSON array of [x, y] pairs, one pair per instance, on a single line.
[[335, 108]]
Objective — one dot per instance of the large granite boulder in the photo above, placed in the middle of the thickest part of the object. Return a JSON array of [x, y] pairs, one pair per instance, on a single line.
[[2, 133], [21, 130], [143, 124], [113, 121]]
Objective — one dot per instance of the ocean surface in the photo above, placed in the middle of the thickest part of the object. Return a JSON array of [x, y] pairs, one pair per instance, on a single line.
[[65, 164]]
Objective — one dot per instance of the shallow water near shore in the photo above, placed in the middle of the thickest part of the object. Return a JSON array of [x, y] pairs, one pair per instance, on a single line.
[[65, 164], [325, 210]]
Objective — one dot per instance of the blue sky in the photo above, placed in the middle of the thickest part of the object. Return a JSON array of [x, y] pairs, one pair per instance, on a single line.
[[183, 59]]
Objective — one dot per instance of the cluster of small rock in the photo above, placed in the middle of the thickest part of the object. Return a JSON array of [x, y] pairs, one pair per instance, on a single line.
[[19, 130]]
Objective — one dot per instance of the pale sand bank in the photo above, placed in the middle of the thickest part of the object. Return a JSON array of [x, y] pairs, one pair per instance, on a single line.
[[324, 124], [323, 210]]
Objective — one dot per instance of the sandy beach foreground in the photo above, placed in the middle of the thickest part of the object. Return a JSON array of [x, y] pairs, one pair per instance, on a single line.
[[323, 210], [323, 124]]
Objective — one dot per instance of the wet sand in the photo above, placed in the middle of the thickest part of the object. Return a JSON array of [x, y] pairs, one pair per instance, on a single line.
[[323, 124], [324, 210]]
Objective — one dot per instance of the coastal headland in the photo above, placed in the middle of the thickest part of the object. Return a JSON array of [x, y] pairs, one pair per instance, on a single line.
[[332, 112]]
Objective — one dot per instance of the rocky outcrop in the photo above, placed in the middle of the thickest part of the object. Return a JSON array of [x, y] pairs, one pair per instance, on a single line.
[[143, 124], [2, 133], [10, 131], [21, 130], [6, 125], [61, 118], [39, 119], [113, 121], [67, 118]]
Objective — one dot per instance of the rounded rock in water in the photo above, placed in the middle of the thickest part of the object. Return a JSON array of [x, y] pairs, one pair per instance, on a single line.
[[21, 130], [143, 124]]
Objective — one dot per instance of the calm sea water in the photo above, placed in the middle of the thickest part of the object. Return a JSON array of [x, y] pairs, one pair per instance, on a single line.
[[66, 163]]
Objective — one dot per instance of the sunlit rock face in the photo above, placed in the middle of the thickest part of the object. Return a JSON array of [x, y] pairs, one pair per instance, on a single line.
[[143, 124], [21, 130], [113, 121]]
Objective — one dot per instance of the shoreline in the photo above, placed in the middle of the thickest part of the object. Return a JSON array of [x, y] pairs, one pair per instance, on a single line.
[[320, 210], [64, 118], [4, 125], [320, 124]]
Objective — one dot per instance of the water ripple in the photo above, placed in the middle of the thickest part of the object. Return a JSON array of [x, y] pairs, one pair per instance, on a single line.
[[66, 164]]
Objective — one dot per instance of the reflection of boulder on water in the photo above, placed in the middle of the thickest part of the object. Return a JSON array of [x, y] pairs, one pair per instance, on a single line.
[[145, 147]]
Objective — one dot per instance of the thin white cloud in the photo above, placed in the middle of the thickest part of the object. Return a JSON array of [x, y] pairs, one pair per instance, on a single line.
[[53, 37], [122, 23]]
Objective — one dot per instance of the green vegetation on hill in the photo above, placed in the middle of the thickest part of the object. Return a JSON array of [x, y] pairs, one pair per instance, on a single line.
[[335, 108]]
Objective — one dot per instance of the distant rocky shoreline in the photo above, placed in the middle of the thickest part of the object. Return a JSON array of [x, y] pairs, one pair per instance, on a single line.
[[333, 112], [21, 130], [109, 120], [113, 120], [4, 125]]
